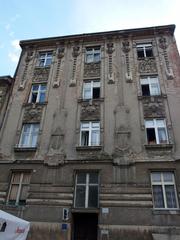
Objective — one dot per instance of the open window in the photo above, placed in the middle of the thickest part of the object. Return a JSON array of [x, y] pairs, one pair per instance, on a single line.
[[91, 89], [38, 93], [150, 86], [156, 131], [90, 134]]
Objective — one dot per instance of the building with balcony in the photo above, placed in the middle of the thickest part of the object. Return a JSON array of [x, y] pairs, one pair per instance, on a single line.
[[90, 136]]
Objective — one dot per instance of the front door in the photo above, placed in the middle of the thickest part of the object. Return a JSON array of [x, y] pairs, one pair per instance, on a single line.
[[85, 226]]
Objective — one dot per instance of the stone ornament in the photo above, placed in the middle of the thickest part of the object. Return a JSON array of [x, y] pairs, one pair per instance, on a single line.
[[41, 74], [125, 46], [110, 48], [90, 111], [60, 52], [147, 66], [33, 113], [162, 43]]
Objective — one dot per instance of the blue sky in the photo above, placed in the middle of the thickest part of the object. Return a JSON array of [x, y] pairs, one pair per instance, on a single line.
[[23, 19]]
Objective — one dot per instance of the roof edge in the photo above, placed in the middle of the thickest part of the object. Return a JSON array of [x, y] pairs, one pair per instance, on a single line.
[[75, 37]]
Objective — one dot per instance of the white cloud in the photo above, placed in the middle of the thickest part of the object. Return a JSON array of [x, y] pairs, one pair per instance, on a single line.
[[7, 26], [1, 45], [14, 57], [15, 51], [15, 44]]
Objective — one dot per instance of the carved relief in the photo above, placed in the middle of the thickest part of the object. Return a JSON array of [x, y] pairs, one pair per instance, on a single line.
[[29, 55], [23, 79], [41, 74], [110, 49], [57, 140], [75, 54], [75, 51], [162, 42], [122, 138], [90, 111], [60, 55], [163, 45], [3, 91], [60, 52], [56, 153], [125, 46], [126, 49], [33, 113], [92, 69], [147, 65], [153, 107]]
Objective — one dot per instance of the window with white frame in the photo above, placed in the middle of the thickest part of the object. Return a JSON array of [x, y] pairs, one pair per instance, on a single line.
[[164, 190], [93, 54], [144, 50], [90, 134], [91, 89], [19, 186], [38, 93], [150, 86], [86, 190], [156, 131], [29, 135], [45, 59]]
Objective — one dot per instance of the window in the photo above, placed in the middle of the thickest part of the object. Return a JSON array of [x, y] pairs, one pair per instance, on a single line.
[[38, 93], [29, 135], [156, 131], [93, 54], [144, 50], [45, 59], [150, 86], [19, 188], [90, 134], [91, 90], [86, 191], [164, 190]]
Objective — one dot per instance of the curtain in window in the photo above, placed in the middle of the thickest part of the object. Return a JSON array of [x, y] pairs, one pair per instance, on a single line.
[[170, 196], [162, 135], [158, 196]]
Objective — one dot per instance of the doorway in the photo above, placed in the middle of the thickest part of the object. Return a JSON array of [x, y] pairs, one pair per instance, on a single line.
[[85, 226]]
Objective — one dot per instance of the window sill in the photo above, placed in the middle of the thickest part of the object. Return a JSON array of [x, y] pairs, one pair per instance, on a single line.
[[158, 146], [42, 67], [35, 104], [94, 62], [25, 149], [145, 58], [90, 101], [10, 207], [85, 210], [88, 148], [166, 211], [140, 97]]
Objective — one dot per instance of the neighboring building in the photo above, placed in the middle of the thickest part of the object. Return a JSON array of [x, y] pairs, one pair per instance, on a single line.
[[90, 141]]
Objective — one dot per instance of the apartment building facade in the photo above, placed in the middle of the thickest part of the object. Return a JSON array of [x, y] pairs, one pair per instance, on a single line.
[[90, 136]]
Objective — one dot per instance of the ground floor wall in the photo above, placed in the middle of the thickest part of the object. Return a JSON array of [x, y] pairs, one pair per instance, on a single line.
[[125, 209]]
